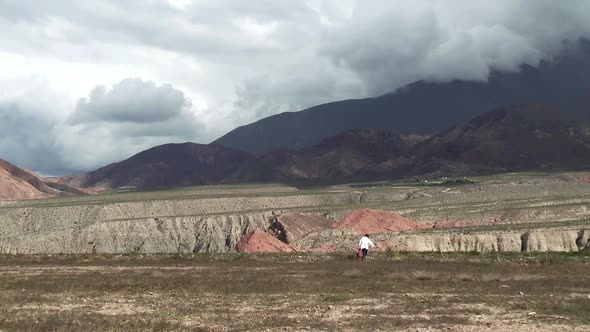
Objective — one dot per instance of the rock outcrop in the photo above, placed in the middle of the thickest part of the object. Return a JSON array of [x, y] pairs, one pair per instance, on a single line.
[[291, 227], [457, 242], [558, 240], [343, 239], [151, 235]]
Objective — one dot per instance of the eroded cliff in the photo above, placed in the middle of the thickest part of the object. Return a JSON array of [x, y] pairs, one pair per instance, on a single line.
[[546, 214]]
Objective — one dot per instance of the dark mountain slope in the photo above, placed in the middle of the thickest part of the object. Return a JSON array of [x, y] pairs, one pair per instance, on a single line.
[[424, 107], [352, 155], [516, 138], [177, 165], [513, 138]]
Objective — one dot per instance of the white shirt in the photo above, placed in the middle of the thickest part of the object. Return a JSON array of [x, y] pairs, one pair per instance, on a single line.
[[365, 242]]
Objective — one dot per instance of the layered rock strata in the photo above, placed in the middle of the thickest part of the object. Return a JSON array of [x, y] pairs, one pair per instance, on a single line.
[[554, 240]]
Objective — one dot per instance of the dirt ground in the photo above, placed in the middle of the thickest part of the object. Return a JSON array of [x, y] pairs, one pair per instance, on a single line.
[[294, 292]]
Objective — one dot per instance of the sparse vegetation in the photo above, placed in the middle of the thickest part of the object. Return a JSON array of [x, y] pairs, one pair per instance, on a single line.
[[335, 298], [457, 182], [445, 182], [294, 291]]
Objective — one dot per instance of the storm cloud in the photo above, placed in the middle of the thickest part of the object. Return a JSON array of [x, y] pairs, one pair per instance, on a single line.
[[134, 74], [28, 137], [390, 44]]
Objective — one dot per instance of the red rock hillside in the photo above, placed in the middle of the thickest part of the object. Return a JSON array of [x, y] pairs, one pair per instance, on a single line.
[[16, 183], [368, 221], [260, 241]]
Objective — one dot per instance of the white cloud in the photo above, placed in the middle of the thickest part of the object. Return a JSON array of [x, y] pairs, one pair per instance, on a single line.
[[131, 100], [110, 125], [180, 4], [126, 118]]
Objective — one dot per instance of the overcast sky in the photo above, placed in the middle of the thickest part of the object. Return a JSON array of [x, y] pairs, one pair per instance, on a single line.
[[86, 83]]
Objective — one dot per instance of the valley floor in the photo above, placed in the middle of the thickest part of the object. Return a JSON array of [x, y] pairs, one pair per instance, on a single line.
[[296, 292]]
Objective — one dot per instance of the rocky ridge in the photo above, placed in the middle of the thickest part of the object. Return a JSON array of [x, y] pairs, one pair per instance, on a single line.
[[207, 224], [556, 240], [498, 214], [345, 233]]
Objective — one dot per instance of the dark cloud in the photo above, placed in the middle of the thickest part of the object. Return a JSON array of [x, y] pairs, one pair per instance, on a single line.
[[386, 43], [389, 44], [28, 138], [265, 95]]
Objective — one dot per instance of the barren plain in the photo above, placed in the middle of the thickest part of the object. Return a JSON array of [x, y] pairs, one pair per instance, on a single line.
[[296, 292]]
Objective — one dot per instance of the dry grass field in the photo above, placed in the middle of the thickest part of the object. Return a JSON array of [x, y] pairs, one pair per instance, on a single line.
[[295, 292]]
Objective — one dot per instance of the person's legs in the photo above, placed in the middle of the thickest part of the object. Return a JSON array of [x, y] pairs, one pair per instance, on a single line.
[[365, 253]]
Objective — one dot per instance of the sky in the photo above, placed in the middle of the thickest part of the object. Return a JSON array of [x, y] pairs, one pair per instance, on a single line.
[[87, 83]]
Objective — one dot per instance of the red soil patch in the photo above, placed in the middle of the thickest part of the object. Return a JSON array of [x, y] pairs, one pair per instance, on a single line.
[[260, 241], [367, 221], [584, 180]]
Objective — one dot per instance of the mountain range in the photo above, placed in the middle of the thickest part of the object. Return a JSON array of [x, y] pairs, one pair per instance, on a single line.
[[515, 138], [427, 107]]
